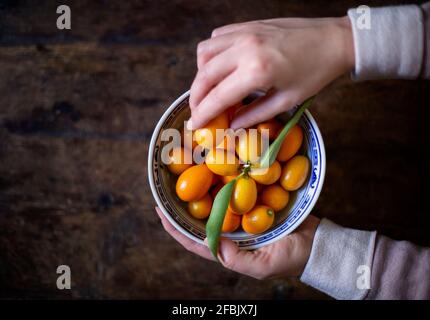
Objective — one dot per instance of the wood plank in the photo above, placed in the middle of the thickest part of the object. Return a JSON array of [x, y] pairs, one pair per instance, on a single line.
[[77, 112]]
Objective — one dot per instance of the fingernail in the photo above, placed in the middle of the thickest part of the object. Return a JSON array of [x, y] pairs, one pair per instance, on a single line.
[[234, 124], [158, 214], [220, 251], [190, 124]]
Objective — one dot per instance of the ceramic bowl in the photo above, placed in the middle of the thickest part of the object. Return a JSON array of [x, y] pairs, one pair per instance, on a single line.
[[301, 202]]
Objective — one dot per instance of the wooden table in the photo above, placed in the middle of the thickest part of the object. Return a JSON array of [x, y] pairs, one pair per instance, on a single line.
[[78, 108]]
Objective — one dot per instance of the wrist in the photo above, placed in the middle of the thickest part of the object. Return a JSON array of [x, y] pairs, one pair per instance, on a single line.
[[346, 43], [307, 233]]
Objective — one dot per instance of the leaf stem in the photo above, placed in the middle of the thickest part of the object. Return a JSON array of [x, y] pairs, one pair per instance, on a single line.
[[271, 153]]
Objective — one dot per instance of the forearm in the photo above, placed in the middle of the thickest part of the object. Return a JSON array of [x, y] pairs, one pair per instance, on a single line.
[[394, 44]]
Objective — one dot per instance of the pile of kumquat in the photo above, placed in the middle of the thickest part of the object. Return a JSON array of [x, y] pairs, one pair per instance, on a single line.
[[258, 193]]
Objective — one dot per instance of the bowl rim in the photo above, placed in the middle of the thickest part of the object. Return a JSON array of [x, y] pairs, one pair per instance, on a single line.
[[185, 232]]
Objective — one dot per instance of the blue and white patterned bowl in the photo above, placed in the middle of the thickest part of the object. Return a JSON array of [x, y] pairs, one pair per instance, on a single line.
[[300, 205]]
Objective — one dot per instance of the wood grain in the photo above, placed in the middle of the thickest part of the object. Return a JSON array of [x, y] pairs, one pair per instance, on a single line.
[[78, 109]]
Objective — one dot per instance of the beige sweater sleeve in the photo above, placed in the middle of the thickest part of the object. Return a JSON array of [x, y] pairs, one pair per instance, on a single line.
[[391, 42], [400, 270]]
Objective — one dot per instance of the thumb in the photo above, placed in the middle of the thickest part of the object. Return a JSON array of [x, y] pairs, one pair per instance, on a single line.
[[233, 258]]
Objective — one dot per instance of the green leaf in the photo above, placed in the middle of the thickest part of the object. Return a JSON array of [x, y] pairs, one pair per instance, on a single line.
[[271, 153], [216, 218]]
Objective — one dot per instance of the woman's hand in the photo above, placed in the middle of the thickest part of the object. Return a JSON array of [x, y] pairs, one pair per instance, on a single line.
[[286, 257], [291, 59]]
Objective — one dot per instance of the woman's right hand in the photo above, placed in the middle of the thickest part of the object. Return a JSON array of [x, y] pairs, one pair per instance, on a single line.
[[291, 59]]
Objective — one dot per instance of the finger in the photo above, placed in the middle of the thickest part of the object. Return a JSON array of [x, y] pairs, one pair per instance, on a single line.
[[249, 27], [263, 109], [230, 91], [278, 22], [209, 48], [234, 27], [296, 22], [187, 243], [241, 261], [213, 72]]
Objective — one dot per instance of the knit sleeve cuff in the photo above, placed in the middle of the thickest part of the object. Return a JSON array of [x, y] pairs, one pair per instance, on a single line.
[[388, 42], [338, 260]]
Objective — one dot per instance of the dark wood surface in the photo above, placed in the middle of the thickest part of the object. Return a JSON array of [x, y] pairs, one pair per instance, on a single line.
[[78, 109]]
